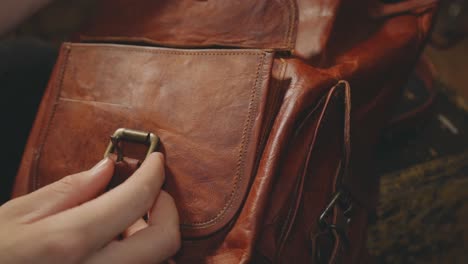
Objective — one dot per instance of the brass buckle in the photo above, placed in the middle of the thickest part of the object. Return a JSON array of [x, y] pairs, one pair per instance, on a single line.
[[147, 138]]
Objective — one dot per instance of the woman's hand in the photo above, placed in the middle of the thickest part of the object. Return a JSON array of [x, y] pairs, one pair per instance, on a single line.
[[70, 222]]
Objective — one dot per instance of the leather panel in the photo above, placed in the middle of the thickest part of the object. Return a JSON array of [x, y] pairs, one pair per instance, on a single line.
[[177, 23], [205, 105]]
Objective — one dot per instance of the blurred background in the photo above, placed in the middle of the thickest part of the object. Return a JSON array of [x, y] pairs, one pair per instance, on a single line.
[[423, 167], [423, 211]]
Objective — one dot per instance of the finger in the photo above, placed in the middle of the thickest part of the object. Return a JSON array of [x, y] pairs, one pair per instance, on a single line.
[[63, 194], [154, 244], [102, 219], [137, 226]]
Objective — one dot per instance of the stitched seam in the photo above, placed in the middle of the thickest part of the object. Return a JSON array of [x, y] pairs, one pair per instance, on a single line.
[[36, 180], [243, 149], [172, 52], [93, 102], [271, 119], [292, 20]]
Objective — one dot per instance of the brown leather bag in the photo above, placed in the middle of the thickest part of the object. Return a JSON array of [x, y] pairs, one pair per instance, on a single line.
[[251, 102]]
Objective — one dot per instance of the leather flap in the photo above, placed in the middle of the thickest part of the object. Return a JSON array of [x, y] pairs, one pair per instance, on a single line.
[[206, 106], [246, 23]]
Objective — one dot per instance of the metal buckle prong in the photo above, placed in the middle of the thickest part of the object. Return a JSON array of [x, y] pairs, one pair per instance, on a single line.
[[322, 219]]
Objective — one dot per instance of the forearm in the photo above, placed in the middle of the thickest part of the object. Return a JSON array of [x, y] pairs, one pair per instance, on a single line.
[[13, 12]]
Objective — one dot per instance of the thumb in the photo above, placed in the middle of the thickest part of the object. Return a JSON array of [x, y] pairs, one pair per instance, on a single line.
[[66, 193]]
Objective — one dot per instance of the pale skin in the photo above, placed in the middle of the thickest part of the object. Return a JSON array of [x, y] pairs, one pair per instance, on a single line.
[[74, 220]]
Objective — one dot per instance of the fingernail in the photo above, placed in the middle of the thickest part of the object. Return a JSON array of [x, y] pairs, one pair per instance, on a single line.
[[98, 167]]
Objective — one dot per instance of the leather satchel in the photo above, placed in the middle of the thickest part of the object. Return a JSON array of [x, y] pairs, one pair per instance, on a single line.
[[250, 102]]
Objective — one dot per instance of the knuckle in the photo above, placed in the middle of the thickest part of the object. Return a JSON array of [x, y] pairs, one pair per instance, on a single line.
[[65, 185]]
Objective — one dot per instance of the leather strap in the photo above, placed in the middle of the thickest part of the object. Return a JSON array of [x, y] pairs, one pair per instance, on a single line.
[[339, 223], [329, 245]]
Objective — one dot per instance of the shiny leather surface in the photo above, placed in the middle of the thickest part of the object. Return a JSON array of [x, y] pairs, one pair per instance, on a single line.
[[209, 161], [272, 110], [245, 23], [304, 27]]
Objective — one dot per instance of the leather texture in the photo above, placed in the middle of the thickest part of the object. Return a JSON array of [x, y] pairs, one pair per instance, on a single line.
[[147, 89], [259, 129], [252, 24]]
